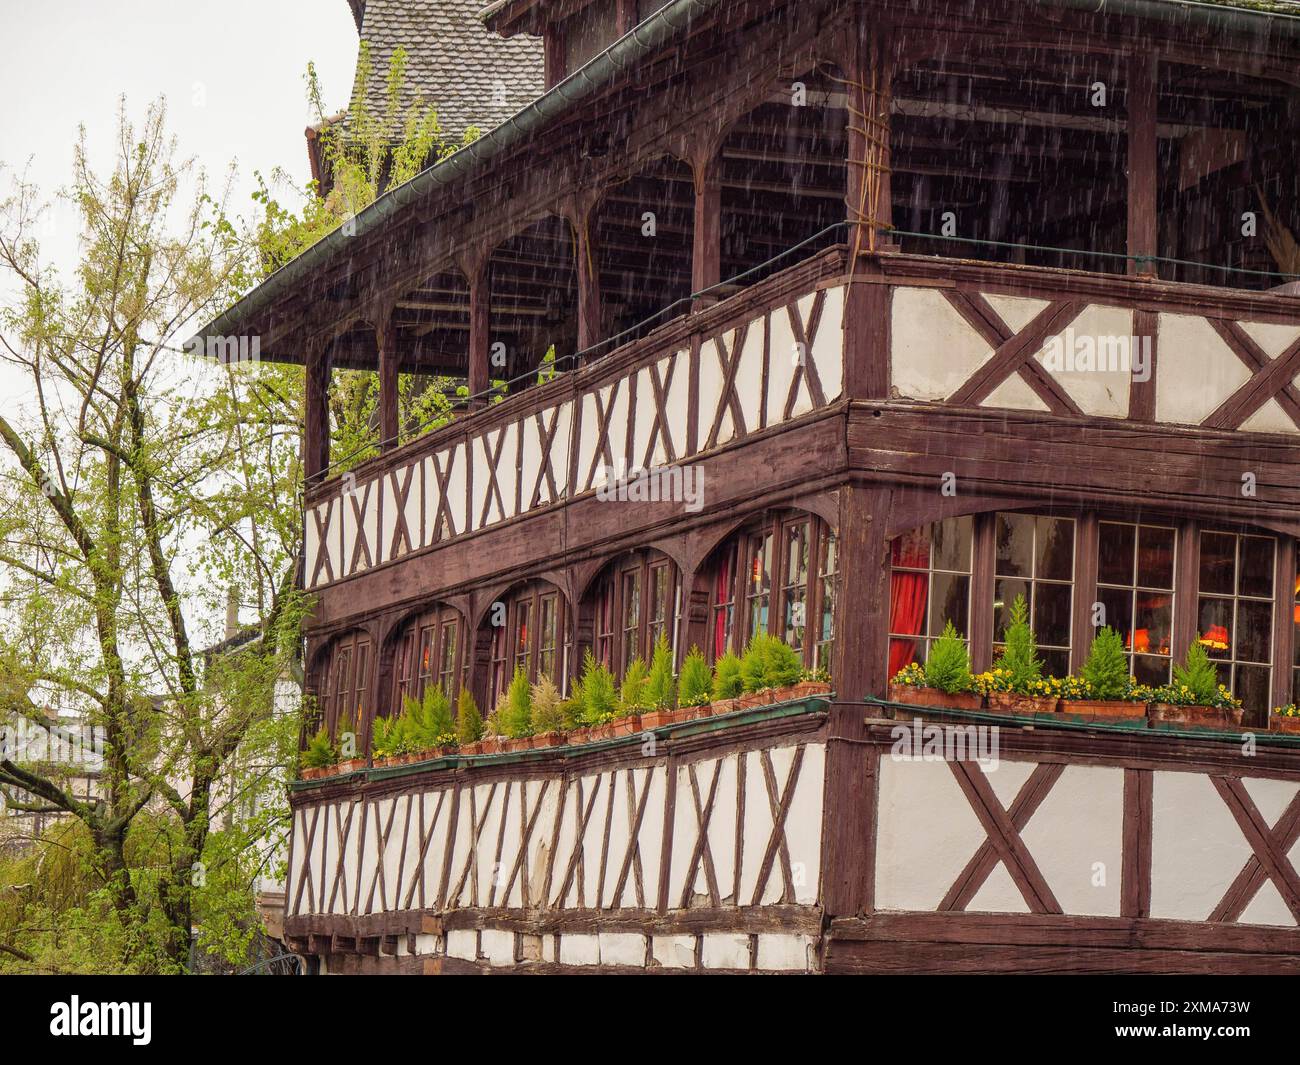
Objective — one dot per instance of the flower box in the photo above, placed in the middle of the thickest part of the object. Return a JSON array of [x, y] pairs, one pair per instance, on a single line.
[[470, 749], [914, 696], [1169, 716], [1027, 705], [717, 708], [751, 700], [620, 726], [548, 739], [492, 744], [1279, 723], [652, 719], [807, 689], [1103, 711], [577, 736], [513, 744], [351, 765], [313, 772]]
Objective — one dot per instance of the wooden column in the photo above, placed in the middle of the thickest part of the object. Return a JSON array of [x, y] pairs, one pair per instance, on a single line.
[[386, 341], [480, 322], [624, 16], [316, 419], [706, 249], [553, 63], [869, 73], [1186, 581], [1086, 541], [1142, 176], [859, 668], [590, 326]]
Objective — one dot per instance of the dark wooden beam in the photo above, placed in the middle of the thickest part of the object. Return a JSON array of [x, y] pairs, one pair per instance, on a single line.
[[706, 251], [479, 329], [316, 421], [386, 341], [1143, 180]]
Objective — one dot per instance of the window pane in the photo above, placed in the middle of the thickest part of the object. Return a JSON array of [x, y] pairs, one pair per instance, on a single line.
[[1155, 557], [1117, 603], [1151, 670], [1252, 688], [907, 604], [1154, 627], [796, 555], [1004, 594], [1055, 663], [912, 549], [1218, 563], [1051, 616], [1055, 549], [1254, 631], [952, 544], [1115, 544], [1214, 623], [950, 603], [1255, 576], [1015, 545]]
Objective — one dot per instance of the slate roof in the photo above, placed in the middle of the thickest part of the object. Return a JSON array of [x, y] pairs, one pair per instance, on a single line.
[[469, 75]]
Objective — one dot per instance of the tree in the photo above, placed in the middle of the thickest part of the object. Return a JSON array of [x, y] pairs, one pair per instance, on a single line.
[[138, 486]]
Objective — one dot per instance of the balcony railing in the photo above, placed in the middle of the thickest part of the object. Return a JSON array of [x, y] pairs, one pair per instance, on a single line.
[[762, 357]]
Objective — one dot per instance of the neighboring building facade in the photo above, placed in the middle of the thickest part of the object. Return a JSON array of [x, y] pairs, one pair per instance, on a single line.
[[863, 225]]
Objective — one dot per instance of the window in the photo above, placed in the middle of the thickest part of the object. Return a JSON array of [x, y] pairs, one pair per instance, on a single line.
[[783, 576], [929, 587], [827, 578], [971, 569], [1295, 639], [1035, 558], [1235, 612], [530, 630], [722, 599], [426, 652], [344, 681], [643, 592], [1135, 586]]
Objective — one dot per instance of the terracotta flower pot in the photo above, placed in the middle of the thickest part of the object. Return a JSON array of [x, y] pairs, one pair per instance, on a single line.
[[907, 693], [1103, 711], [468, 749], [751, 700], [718, 707], [548, 739], [1278, 723], [1014, 703], [312, 772], [351, 765], [491, 744], [659, 718], [806, 689], [1168, 716], [578, 736]]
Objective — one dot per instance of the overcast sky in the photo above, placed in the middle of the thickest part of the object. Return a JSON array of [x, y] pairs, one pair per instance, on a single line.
[[231, 72]]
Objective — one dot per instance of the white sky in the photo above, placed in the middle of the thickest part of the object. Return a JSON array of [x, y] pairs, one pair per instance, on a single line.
[[232, 74]]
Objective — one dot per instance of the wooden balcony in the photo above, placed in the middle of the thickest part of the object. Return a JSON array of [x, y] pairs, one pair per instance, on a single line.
[[961, 345]]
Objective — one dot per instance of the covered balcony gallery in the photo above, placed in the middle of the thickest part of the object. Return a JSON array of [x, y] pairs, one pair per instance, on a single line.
[[655, 181]]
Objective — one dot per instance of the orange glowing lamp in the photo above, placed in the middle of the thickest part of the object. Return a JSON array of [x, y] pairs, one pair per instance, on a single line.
[[1216, 638]]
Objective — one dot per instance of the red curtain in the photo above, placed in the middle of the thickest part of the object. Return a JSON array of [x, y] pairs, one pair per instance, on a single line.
[[907, 595], [722, 593]]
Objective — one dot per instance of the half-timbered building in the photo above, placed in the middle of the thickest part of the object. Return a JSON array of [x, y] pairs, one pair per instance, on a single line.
[[833, 260]]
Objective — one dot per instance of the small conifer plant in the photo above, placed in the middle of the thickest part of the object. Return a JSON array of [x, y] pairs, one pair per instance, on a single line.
[[947, 666], [696, 686], [1019, 657], [1198, 675], [469, 721], [727, 679], [660, 688], [1106, 669]]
